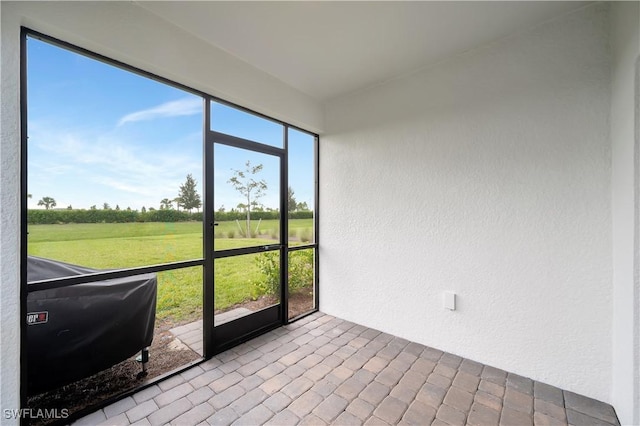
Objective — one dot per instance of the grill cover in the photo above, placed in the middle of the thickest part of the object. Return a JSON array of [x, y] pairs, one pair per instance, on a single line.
[[79, 330]]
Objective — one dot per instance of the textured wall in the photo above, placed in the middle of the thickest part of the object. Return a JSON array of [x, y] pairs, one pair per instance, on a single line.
[[487, 175], [625, 41], [9, 220]]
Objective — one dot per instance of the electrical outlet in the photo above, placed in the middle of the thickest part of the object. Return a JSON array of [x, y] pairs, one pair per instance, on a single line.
[[449, 300]]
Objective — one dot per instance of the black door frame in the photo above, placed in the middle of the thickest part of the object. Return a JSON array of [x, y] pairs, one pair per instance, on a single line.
[[222, 337]]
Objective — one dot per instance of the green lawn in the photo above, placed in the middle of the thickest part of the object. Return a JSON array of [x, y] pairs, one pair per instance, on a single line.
[[124, 245]]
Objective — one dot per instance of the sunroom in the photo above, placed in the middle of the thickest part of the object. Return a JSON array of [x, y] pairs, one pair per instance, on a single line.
[[460, 182]]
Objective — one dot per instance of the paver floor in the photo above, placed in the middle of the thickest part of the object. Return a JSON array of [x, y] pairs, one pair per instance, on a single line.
[[324, 370]]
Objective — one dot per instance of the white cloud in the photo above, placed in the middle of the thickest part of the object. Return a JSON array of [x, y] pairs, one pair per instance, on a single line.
[[121, 185], [90, 168], [181, 107]]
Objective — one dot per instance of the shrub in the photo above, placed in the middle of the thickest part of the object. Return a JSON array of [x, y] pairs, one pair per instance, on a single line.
[[269, 265], [241, 216], [45, 217], [301, 270], [306, 214], [93, 215], [305, 235]]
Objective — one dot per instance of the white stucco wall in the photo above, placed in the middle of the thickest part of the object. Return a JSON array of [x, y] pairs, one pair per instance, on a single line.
[[9, 223], [488, 175], [9, 297], [128, 33], [625, 42]]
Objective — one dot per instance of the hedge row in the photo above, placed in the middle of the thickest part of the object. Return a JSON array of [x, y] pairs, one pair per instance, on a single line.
[[42, 217], [108, 216], [230, 216]]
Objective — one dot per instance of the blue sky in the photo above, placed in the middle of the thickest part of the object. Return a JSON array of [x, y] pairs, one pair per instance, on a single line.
[[100, 134]]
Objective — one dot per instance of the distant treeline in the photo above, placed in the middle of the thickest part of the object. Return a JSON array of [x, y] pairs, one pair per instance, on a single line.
[[42, 217]]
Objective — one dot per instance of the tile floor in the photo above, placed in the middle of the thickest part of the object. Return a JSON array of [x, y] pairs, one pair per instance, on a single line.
[[324, 370]]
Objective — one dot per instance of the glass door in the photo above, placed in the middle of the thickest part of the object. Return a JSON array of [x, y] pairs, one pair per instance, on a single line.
[[249, 244]]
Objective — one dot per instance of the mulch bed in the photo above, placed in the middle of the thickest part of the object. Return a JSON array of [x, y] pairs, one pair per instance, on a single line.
[[300, 302]]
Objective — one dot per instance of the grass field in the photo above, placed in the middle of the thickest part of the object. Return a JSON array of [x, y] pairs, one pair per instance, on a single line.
[[125, 245]]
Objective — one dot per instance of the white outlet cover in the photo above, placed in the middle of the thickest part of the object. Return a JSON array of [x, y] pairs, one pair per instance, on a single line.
[[449, 300]]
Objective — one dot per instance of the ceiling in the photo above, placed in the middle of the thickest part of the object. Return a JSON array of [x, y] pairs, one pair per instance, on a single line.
[[326, 49]]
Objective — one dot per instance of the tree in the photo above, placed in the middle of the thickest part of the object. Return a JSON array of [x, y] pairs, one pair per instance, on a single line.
[[178, 202], [302, 206], [165, 204], [143, 210], [47, 202], [291, 201], [189, 197], [251, 189], [256, 207], [106, 206], [117, 207]]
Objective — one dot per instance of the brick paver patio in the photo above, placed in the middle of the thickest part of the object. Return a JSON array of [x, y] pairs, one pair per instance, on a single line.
[[323, 370]]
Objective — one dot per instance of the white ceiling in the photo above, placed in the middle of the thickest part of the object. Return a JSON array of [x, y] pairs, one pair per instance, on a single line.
[[326, 49]]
